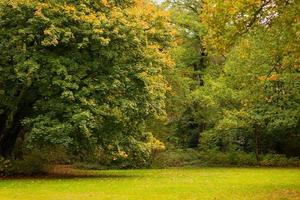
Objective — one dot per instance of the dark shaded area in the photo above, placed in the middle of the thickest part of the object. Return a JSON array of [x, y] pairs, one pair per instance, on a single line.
[[68, 176]]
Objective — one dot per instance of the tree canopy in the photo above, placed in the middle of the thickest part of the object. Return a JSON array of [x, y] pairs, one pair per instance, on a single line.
[[81, 73], [121, 80]]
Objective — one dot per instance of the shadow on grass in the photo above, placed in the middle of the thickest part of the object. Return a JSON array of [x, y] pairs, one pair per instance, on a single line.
[[68, 176], [68, 172]]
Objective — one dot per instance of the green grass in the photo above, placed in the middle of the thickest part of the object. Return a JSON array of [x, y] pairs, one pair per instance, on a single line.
[[175, 184]]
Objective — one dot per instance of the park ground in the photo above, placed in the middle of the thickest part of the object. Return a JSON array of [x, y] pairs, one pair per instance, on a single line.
[[156, 184]]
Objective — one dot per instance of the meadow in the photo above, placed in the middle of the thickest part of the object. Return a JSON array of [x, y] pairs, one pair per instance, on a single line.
[[155, 184]]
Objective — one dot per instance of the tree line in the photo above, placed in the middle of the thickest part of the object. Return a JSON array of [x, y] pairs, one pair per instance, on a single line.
[[119, 81]]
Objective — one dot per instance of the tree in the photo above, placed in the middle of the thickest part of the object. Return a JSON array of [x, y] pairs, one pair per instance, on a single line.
[[189, 51], [259, 84], [191, 59], [84, 74], [228, 21]]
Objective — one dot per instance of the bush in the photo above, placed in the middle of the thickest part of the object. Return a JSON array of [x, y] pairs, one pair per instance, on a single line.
[[212, 158], [175, 158], [4, 165], [246, 159], [89, 166], [192, 157], [31, 164], [24, 167], [279, 160], [129, 153], [55, 155], [48, 154], [138, 157], [294, 161]]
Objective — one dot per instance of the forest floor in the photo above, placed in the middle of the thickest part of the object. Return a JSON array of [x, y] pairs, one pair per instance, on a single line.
[[158, 184]]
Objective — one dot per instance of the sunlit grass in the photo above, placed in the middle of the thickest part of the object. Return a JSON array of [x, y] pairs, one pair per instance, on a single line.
[[175, 184]]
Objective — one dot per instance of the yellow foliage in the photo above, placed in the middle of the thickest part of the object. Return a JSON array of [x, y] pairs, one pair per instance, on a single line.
[[273, 77], [262, 78], [122, 154], [156, 145], [105, 3], [68, 8]]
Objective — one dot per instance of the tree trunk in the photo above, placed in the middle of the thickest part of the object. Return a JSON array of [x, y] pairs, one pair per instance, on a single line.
[[9, 135], [257, 142], [11, 121], [200, 65]]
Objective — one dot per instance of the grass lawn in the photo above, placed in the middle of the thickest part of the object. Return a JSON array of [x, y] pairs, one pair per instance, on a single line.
[[175, 184]]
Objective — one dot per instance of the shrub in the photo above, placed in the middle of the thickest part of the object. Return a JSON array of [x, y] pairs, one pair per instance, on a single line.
[[32, 164], [4, 165], [246, 159], [279, 160], [24, 167], [136, 157], [232, 158], [192, 157], [48, 154], [57, 155], [89, 166], [294, 161], [130, 153], [175, 158]]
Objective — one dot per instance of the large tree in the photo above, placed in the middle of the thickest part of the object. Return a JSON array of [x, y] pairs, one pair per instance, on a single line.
[[84, 74]]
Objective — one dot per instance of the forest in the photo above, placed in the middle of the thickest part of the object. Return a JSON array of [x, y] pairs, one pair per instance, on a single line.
[[118, 84], [149, 99]]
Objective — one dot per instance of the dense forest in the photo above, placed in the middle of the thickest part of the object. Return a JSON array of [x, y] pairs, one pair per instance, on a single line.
[[140, 83]]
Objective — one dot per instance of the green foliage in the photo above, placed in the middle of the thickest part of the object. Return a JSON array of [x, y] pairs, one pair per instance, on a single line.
[[89, 166], [83, 75], [190, 58], [175, 158], [24, 168], [192, 157], [32, 164], [4, 165], [230, 158], [100, 81], [132, 153], [277, 160], [49, 155], [250, 98]]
